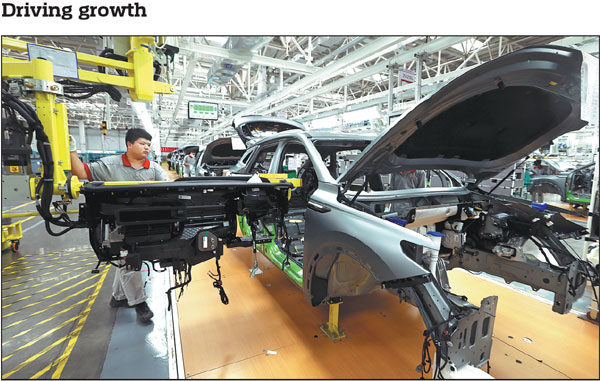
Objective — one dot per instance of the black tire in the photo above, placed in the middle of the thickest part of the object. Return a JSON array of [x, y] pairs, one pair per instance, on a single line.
[[15, 246]]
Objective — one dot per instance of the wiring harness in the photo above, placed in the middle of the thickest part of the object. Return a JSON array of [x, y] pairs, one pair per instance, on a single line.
[[79, 90], [44, 189]]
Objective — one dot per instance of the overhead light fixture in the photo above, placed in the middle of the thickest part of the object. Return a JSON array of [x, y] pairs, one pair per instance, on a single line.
[[217, 41], [327, 122], [360, 115]]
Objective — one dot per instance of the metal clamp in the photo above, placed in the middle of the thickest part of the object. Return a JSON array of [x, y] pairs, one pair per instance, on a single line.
[[33, 84]]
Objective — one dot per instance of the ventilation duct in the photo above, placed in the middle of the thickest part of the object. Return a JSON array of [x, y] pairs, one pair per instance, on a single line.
[[223, 69]]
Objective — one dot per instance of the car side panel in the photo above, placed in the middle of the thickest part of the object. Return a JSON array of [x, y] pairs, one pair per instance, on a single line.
[[549, 184], [343, 233]]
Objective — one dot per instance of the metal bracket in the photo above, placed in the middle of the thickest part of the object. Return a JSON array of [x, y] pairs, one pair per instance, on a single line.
[[15, 187], [33, 84], [471, 341]]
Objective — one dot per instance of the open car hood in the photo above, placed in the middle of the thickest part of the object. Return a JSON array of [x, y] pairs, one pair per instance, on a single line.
[[484, 120], [221, 151], [254, 127], [191, 148]]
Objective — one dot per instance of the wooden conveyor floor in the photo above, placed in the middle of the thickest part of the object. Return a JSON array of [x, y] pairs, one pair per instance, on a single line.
[[269, 331]]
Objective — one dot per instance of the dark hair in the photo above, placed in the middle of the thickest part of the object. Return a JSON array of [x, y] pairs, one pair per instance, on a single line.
[[136, 133], [537, 163]]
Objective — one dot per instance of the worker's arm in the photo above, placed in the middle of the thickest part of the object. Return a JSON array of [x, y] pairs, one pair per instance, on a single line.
[[77, 168]]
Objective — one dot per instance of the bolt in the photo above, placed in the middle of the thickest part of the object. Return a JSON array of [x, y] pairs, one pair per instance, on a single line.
[[172, 88]]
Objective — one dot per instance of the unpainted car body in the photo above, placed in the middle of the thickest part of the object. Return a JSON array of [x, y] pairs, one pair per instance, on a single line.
[[348, 235], [356, 236], [574, 186], [218, 156]]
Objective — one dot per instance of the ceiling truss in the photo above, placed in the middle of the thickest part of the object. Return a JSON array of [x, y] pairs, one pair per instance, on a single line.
[[298, 77]]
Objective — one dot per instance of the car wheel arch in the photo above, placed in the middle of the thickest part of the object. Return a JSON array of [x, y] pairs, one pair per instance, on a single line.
[[338, 268]]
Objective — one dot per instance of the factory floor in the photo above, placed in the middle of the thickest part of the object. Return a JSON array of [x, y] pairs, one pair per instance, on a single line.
[[56, 318], [56, 323], [268, 330]]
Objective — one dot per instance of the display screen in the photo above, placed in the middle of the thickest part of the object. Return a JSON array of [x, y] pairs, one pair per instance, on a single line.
[[203, 110]]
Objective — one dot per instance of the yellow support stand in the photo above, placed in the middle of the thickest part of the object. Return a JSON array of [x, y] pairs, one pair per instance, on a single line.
[[11, 236], [331, 329]]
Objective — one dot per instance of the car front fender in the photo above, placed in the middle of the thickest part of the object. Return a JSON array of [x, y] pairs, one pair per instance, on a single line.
[[350, 252]]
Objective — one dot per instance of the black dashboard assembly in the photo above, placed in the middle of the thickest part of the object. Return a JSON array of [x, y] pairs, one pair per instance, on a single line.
[[176, 224]]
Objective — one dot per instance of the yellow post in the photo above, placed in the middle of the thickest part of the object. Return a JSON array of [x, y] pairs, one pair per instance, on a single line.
[[141, 58], [331, 329], [54, 119]]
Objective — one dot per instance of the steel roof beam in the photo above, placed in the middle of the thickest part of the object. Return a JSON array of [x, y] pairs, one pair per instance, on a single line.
[[212, 51], [381, 97], [322, 74], [402, 58]]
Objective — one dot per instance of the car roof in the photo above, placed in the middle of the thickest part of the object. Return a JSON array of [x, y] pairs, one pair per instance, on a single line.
[[316, 135]]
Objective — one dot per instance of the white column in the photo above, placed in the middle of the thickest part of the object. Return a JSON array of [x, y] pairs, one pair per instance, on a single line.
[[390, 89], [419, 74], [280, 78], [82, 141]]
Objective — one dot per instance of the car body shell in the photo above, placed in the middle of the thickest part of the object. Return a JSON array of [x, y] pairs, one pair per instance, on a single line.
[[572, 186]]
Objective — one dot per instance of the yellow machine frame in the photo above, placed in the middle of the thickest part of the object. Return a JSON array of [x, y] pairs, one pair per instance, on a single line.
[[139, 82], [53, 116]]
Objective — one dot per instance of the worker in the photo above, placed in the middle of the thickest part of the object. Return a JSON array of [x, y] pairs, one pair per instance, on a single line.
[[405, 180], [188, 162], [128, 286], [412, 179], [536, 191]]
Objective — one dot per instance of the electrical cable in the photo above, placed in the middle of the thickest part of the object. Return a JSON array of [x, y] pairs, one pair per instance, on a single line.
[[70, 88], [585, 267], [540, 247], [46, 183], [110, 53]]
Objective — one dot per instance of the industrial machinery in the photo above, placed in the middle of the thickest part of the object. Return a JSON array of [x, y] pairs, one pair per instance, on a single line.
[[174, 225], [358, 236]]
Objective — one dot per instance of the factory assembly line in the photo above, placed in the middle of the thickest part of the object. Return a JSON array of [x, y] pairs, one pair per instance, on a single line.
[[355, 236]]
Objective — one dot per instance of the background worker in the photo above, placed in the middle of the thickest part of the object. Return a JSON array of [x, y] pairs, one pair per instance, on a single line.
[[128, 286], [538, 170], [412, 179], [188, 162]]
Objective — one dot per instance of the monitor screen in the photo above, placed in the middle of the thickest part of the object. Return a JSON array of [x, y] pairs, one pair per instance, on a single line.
[[203, 110]]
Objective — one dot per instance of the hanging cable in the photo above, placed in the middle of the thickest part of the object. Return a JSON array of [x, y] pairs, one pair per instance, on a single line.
[[45, 187], [79, 90], [218, 283]]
